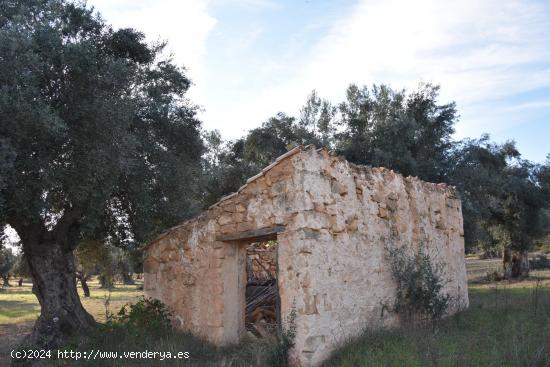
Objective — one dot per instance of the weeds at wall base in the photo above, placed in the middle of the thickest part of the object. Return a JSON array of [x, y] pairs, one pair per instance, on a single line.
[[509, 327], [420, 284]]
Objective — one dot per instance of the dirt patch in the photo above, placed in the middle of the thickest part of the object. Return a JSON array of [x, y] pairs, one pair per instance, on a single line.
[[11, 336]]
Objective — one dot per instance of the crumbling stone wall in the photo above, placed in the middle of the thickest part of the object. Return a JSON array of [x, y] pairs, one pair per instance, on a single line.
[[337, 220], [202, 279], [337, 275], [262, 260]]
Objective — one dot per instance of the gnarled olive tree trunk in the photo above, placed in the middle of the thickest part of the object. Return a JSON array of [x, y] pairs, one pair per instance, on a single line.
[[127, 278], [54, 284], [515, 263], [83, 278], [106, 282]]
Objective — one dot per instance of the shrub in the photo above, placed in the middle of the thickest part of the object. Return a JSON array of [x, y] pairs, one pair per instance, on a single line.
[[279, 354], [419, 285], [494, 276], [148, 315]]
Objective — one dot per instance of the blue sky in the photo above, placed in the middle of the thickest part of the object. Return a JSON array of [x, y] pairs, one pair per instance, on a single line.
[[252, 58]]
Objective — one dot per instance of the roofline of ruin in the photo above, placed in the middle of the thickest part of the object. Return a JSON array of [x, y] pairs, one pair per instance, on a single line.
[[278, 160]]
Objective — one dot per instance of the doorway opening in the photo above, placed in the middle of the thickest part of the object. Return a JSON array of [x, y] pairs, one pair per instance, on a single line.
[[262, 312]]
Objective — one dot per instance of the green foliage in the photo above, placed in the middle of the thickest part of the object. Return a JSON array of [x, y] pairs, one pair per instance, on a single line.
[[498, 329], [230, 164], [146, 326], [419, 285], [109, 262], [262, 145], [494, 276], [317, 118], [280, 352], [411, 132], [7, 263], [502, 200], [21, 266], [408, 132], [98, 141], [148, 315], [225, 168], [543, 176], [93, 257]]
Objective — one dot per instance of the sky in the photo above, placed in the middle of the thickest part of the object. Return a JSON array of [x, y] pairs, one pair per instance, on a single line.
[[249, 59]]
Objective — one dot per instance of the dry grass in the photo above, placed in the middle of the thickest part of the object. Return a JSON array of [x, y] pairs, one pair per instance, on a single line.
[[19, 308], [507, 324], [19, 304], [477, 269]]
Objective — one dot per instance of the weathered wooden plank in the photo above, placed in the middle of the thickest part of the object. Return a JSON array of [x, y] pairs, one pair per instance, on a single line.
[[267, 233]]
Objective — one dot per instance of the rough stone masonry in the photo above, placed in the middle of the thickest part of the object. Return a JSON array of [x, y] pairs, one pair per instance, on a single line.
[[333, 222]]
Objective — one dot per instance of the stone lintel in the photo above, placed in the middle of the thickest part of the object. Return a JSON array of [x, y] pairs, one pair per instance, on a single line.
[[267, 233]]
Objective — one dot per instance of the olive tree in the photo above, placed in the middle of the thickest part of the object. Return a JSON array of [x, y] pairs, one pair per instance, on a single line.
[[97, 142], [7, 263]]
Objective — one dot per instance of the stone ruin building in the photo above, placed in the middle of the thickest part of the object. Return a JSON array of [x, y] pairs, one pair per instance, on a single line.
[[308, 236]]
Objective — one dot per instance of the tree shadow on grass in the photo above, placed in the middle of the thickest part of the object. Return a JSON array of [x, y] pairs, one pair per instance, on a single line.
[[18, 309]]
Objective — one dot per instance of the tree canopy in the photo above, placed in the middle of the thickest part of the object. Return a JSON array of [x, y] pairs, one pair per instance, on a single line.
[[100, 148], [97, 141], [7, 264], [503, 195]]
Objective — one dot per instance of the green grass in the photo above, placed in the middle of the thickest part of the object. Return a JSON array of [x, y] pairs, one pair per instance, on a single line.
[[507, 324], [477, 269], [201, 354], [502, 327], [19, 304]]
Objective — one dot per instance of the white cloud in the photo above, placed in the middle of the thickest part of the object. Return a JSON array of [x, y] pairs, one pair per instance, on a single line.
[[259, 3], [184, 24], [529, 105], [478, 51], [250, 4], [472, 48]]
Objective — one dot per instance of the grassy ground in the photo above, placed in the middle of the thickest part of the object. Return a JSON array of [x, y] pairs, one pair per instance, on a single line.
[[478, 269], [507, 324], [19, 304], [543, 245], [19, 308], [248, 353]]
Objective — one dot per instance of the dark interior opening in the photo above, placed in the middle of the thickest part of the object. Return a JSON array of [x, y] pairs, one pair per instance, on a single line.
[[262, 314]]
